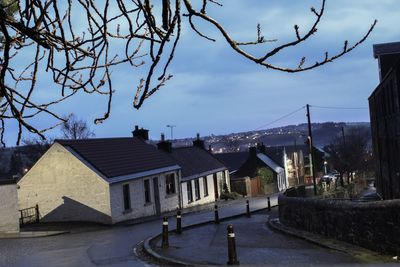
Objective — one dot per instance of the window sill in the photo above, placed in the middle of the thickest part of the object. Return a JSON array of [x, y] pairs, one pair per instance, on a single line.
[[148, 204]]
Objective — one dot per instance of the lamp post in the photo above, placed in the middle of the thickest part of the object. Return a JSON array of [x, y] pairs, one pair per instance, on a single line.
[[172, 130], [325, 170]]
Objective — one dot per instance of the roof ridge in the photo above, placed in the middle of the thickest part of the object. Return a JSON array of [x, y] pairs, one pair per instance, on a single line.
[[92, 139]]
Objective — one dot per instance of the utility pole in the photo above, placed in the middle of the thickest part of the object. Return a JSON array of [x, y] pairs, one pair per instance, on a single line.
[[311, 150], [172, 130]]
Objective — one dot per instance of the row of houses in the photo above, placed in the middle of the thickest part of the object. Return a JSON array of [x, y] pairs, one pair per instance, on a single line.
[[117, 179], [112, 180]]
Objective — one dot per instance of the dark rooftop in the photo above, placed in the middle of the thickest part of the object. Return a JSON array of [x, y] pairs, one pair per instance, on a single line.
[[194, 160], [386, 48], [119, 156], [233, 160]]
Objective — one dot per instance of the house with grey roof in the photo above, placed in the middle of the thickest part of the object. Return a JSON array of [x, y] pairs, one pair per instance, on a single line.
[[203, 177], [102, 180], [254, 172]]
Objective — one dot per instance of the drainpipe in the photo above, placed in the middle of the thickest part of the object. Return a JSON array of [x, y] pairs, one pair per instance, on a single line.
[[180, 200]]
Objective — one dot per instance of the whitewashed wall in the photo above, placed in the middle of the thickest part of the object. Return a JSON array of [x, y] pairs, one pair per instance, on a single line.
[[211, 191], [139, 207], [9, 215], [169, 202], [65, 189]]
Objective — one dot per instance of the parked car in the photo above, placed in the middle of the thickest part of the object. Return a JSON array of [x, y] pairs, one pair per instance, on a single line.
[[329, 178]]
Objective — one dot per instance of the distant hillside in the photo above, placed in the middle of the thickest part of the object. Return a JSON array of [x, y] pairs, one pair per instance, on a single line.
[[323, 134]]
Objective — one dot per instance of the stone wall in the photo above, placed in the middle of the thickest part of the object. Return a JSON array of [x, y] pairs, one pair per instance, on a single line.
[[373, 225], [9, 216]]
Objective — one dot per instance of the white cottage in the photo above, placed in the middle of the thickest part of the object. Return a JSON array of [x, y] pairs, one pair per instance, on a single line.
[[203, 177], [101, 180]]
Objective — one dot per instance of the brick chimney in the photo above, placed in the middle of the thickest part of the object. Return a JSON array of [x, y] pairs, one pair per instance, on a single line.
[[198, 142], [164, 145], [141, 133]]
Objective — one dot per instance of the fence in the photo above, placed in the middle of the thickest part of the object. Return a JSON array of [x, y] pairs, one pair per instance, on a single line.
[[29, 215]]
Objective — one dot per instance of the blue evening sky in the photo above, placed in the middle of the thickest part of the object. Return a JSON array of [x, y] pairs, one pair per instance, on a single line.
[[216, 91]]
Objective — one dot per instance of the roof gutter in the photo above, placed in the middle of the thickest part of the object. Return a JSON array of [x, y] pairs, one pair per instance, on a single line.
[[122, 178]]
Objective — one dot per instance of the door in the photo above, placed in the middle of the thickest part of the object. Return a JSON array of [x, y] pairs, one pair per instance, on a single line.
[[156, 195], [215, 186]]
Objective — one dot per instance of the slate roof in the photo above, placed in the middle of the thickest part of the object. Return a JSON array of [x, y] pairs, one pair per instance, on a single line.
[[233, 160], [195, 162], [386, 48], [270, 163], [119, 156]]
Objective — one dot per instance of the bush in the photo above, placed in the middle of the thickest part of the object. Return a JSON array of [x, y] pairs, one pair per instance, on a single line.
[[230, 195]]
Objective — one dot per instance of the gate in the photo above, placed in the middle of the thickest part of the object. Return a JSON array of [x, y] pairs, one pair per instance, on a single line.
[[29, 215]]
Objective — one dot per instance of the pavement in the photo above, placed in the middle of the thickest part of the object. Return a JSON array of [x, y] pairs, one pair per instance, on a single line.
[[59, 228], [257, 244], [110, 246]]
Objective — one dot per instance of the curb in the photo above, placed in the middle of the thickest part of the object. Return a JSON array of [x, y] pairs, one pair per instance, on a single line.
[[362, 254], [33, 234], [172, 213], [149, 250]]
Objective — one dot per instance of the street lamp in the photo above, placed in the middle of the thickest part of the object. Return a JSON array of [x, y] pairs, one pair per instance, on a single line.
[[325, 163], [172, 130]]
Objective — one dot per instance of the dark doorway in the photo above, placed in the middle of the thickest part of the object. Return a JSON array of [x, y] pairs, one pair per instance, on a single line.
[[156, 195], [215, 186]]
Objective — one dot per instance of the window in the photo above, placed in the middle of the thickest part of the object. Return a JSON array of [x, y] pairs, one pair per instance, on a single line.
[[197, 189], [147, 197], [127, 197], [189, 191], [170, 183], [205, 185]]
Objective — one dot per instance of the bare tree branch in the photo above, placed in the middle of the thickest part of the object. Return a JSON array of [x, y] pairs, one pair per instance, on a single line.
[[75, 42]]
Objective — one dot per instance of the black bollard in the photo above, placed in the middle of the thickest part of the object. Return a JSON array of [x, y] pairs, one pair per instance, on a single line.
[[247, 209], [269, 204], [232, 256], [165, 243], [216, 217], [178, 222]]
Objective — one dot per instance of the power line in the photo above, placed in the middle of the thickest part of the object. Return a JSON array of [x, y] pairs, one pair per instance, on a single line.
[[280, 118], [338, 107]]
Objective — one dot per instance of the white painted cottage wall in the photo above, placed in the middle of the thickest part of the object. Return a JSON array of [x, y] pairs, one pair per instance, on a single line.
[[169, 202], [139, 207], [9, 216], [203, 199], [65, 189]]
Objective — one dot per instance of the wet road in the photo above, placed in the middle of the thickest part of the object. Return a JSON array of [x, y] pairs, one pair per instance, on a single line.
[[110, 247]]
